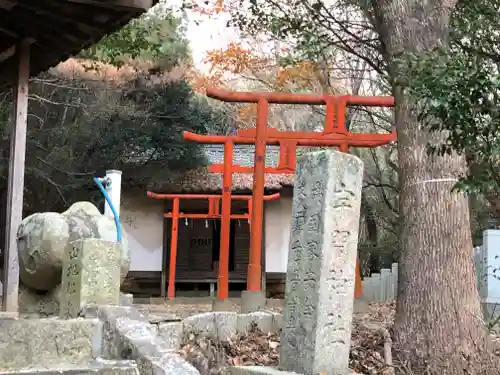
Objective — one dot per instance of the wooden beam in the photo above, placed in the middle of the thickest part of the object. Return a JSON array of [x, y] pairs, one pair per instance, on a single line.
[[15, 187], [53, 16], [8, 53], [119, 4], [4, 30], [7, 4], [11, 51]]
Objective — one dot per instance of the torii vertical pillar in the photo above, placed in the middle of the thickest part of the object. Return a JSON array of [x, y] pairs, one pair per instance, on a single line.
[[15, 188], [253, 299]]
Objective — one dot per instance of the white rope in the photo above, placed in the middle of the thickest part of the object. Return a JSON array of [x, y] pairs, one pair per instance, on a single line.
[[432, 181]]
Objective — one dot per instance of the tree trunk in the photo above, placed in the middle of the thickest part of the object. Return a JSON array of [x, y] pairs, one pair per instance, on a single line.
[[438, 326], [372, 235]]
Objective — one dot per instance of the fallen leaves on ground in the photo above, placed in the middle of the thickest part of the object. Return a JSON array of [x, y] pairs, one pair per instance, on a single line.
[[367, 345], [262, 349], [495, 337], [205, 353], [211, 356], [367, 338], [258, 348], [254, 348]]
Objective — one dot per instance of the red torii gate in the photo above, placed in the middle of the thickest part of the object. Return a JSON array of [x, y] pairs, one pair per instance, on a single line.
[[334, 134], [213, 213]]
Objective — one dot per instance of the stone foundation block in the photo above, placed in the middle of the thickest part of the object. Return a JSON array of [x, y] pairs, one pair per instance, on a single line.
[[129, 335], [252, 301], [48, 342], [126, 299], [263, 370], [172, 333], [173, 363], [222, 305], [221, 325], [97, 367], [9, 315], [263, 320]]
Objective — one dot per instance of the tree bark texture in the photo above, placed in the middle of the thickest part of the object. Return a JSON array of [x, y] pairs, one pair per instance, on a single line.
[[439, 327]]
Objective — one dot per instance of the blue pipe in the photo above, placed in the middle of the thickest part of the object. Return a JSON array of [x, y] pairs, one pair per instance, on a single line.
[[115, 214]]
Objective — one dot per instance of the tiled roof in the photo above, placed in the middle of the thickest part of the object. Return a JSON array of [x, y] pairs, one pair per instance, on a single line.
[[242, 155], [200, 181]]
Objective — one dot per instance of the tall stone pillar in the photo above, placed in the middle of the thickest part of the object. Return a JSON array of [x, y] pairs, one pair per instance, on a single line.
[[320, 280]]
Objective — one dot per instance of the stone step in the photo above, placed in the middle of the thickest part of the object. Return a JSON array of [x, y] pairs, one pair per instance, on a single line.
[[97, 367], [45, 343]]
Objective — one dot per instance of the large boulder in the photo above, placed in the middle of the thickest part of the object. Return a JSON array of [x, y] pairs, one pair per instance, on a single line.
[[44, 237], [39, 304]]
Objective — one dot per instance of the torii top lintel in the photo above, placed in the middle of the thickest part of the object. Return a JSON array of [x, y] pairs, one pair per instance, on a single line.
[[334, 131], [334, 134], [294, 98]]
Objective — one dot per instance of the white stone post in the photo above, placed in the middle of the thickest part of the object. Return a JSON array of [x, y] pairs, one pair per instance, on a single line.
[[385, 275], [489, 279], [395, 274], [114, 190]]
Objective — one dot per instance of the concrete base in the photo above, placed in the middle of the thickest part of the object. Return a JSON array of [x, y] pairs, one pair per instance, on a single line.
[[360, 305], [262, 370], [126, 299], [252, 301], [9, 315], [222, 305]]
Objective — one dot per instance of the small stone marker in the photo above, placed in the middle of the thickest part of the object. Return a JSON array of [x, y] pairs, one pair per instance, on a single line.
[[319, 292], [91, 275]]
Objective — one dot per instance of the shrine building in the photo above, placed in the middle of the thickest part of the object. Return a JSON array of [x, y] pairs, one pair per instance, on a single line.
[[149, 231]]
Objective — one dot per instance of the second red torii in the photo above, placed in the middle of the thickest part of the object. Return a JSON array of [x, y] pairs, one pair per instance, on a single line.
[[214, 212]]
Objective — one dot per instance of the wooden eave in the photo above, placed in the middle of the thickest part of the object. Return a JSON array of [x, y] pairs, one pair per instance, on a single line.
[[58, 29]]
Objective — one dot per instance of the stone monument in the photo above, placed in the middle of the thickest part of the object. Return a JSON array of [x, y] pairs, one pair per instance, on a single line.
[[91, 276], [319, 292], [43, 241]]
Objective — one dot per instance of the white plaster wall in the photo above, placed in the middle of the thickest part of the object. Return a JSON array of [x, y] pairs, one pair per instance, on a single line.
[[278, 216], [142, 219]]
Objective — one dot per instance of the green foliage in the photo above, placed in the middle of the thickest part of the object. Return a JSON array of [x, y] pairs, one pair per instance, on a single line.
[[316, 31], [89, 126], [81, 125], [458, 91], [218, 117], [170, 109], [457, 86], [150, 37]]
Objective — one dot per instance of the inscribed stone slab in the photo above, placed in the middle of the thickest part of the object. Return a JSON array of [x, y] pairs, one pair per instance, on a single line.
[[321, 263], [91, 275]]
